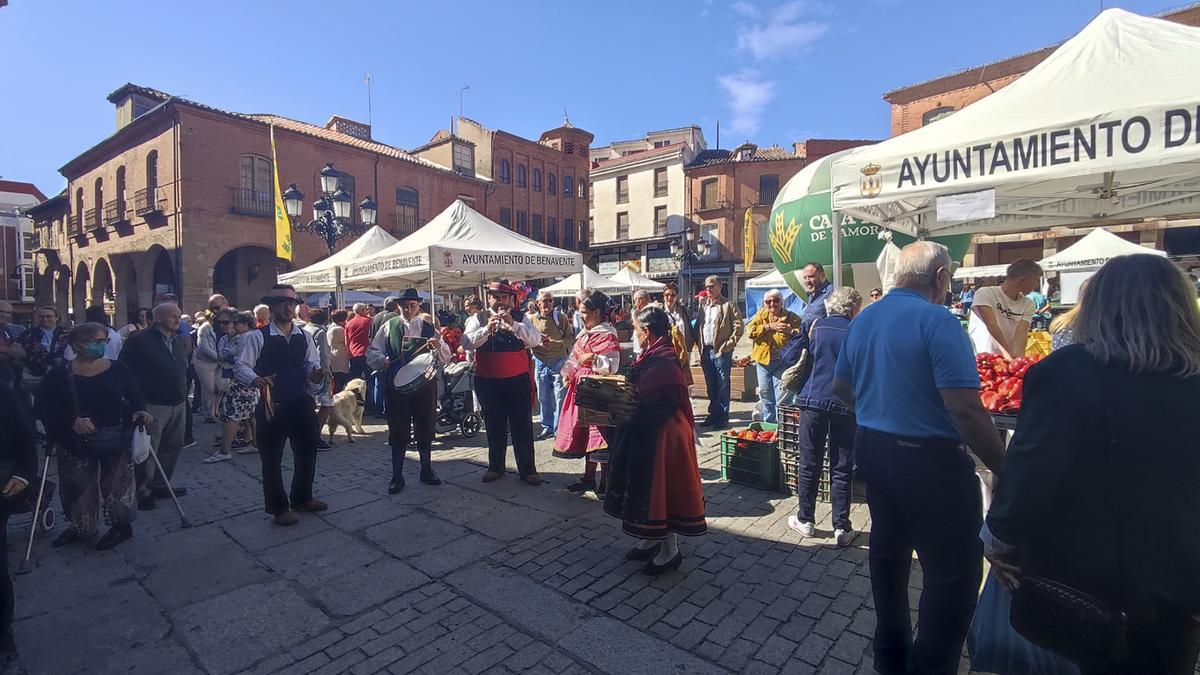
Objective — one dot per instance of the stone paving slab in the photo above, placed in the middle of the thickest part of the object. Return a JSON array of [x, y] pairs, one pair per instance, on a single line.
[[465, 577]]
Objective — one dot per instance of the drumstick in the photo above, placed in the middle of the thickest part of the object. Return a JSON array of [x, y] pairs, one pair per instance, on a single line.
[[270, 405]]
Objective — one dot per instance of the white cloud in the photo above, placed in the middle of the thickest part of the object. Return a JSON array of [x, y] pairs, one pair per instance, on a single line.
[[748, 94], [782, 32], [746, 9]]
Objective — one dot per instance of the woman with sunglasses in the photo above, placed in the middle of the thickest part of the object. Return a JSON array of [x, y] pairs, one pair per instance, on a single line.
[[770, 329], [82, 401], [596, 352]]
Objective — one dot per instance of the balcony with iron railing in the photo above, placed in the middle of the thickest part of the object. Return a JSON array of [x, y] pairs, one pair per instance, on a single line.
[[145, 201], [251, 202], [114, 213], [660, 189], [623, 197], [91, 219], [660, 228], [713, 205], [72, 225]]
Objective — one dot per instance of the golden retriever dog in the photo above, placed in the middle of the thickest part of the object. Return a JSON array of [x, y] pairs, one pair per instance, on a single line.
[[348, 409]]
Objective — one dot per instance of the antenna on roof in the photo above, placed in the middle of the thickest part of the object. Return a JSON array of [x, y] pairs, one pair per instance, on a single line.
[[368, 80], [465, 88], [718, 134]]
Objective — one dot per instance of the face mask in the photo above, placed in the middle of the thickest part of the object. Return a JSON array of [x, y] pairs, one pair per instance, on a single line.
[[94, 350]]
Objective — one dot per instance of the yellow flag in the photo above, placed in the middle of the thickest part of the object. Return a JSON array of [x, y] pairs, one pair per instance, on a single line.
[[283, 227], [749, 240]]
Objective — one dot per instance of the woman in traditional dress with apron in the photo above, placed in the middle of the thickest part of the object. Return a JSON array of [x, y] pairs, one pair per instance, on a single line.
[[597, 351], [654, 482]]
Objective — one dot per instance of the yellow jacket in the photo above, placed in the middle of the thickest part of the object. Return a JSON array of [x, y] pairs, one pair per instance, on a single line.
[[767, 341]]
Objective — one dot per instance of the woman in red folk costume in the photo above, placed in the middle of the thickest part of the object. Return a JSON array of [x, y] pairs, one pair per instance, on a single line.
[[654, 480], [597, 351]]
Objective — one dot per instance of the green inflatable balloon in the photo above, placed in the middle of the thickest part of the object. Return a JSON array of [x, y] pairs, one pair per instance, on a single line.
[[801, 228]]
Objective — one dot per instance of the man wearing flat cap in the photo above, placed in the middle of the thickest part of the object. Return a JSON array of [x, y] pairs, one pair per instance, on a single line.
[[411, 403], [282, 360], [501, 336]]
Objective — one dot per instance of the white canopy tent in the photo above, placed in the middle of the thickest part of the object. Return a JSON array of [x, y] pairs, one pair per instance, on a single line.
[[460, 247], [323, 274], [980, 272], [772, 279], [1105, 128], [588, 278], [1091, 252], [632, 281]]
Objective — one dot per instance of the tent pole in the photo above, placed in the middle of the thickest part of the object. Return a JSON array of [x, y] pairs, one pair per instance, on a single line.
[[337, 288], [837, 248], [432, 299]]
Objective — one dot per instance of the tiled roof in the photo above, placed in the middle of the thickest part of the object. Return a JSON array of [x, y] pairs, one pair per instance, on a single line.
[[664, 151], [297, 126], [712, 157]]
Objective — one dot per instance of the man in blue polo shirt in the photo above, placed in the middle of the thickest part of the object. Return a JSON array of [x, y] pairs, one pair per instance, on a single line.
[[908, 369]]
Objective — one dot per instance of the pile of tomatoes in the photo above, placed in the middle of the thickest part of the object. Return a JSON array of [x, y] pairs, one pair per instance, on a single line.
[[1001, 381], [752, 435]]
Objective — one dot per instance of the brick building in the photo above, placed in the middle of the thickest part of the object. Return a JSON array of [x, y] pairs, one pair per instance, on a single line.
[[722, 184], [538, 189], [916, 105], [179, 199]]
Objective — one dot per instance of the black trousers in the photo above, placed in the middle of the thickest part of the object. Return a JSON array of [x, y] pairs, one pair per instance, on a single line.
[[815, 427], [923, 495], [506, 406], [406, 413], [295, 421], [6, 584]]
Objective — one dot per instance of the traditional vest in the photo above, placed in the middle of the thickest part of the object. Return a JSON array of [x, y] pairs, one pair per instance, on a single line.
[[284, 357], [503, 355]]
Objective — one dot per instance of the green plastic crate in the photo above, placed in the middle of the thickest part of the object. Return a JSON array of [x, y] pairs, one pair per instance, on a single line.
[[751, 463]]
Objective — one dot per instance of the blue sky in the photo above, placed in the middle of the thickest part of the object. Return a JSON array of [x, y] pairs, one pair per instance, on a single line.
[[770, 72]]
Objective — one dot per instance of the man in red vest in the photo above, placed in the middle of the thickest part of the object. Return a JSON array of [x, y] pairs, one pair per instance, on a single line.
[[501, 337]]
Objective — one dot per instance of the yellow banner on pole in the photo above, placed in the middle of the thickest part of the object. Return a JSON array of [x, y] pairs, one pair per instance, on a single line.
[[749, 240], [283, 227]]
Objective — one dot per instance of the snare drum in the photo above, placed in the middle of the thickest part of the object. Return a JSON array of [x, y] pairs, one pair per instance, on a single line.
[[415, 374]]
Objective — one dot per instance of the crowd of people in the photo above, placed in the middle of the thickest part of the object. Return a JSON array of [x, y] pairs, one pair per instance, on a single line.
[[1103, 455]]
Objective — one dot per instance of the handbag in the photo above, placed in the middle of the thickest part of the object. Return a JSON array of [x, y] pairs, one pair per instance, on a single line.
[[995, 647], [794, 377], [102, 443], [1070, 621]]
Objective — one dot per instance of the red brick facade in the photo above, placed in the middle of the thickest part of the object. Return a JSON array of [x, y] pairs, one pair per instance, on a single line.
[[200, 232]]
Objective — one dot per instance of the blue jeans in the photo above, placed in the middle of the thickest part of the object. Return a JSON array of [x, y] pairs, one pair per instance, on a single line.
[[550, 390], [924, 496], [716, 380], [377, 392], [771, 390]]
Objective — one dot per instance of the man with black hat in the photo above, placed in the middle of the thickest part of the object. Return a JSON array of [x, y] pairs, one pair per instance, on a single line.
[[500, 337], [410, 403], [282, 360]]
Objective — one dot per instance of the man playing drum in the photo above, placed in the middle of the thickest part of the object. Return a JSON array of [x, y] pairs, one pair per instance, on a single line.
[[405, 349], [500, 338]]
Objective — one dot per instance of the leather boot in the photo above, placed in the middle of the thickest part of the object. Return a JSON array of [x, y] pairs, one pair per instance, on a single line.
[[428, 477]]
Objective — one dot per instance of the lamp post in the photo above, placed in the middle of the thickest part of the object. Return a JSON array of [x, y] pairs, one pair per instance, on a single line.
[[331, 216], [687, 251]]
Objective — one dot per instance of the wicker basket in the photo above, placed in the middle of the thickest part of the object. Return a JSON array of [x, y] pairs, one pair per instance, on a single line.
[[605, 400]]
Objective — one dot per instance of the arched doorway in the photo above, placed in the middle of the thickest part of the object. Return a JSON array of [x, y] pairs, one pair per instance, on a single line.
[[103, 291], [79, 291], [126, 288], [162, 274], [244, 274]]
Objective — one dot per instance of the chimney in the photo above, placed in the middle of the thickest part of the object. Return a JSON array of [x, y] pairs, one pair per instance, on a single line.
[[800, 149], [349, 127]]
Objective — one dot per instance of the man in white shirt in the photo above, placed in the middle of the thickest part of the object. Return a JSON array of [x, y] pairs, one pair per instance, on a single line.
[[640, 299], [1001, 315], [398, 340], [112, 350], [282, 360], [720, 329], [500, 337]]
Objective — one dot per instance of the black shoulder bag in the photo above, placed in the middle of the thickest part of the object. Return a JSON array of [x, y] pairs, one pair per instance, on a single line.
[[103, 442], [1071, 622]]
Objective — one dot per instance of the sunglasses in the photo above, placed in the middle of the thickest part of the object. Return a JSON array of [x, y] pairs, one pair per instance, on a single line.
[[771, 302]]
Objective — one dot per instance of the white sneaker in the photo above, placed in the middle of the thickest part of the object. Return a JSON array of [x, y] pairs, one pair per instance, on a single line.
[[217, 457], [845, 537], [805, 529]]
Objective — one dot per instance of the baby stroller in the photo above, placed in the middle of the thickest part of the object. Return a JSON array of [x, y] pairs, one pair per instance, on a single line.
[[456, 400]]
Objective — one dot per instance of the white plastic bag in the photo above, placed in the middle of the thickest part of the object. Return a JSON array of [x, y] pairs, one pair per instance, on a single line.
[[141, 445]]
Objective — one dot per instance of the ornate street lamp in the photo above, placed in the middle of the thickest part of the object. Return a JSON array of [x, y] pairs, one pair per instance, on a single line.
[[331, 211], [687, 251]]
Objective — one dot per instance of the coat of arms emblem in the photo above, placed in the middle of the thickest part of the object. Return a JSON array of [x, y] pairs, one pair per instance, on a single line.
[[871, 183]]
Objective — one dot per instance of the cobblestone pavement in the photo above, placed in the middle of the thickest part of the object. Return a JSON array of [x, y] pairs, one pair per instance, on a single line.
[[463, 578]]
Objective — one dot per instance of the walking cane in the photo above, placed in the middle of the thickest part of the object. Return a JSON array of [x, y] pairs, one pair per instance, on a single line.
[[37, 508], [183, 519]]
